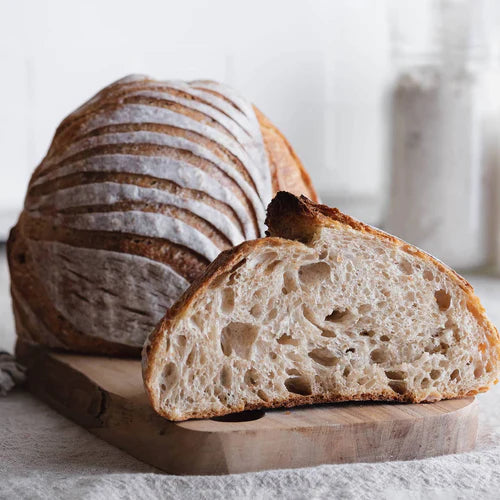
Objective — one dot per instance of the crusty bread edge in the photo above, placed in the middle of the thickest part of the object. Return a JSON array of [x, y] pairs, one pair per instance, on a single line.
[[225, 262], [71, 340], [286, 207], [265, 123]]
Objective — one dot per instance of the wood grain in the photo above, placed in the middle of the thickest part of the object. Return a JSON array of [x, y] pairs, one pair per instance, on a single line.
[[106, 396]]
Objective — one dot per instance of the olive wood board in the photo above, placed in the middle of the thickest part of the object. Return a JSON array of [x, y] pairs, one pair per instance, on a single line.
[[106, 396]]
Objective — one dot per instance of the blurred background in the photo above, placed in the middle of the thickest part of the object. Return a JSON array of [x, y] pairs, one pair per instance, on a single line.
[[392, 105], [320, 70]]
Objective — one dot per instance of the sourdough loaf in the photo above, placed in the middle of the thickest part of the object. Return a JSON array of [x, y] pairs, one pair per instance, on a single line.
[[141, 188], [325, 309]]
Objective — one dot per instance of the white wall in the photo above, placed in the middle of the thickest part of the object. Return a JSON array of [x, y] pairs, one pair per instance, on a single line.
[[318, 69]]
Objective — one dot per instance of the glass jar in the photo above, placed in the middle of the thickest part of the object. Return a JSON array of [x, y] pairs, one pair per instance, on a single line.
[[437, 195]]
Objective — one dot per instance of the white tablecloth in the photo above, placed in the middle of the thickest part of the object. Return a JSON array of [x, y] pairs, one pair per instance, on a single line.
[[44, 455]]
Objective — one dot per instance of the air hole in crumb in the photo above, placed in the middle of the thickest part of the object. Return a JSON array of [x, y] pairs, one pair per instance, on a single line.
[[238, 338], [365, 308], [385, 338], [289, 283], [367, 333], [450, 323], [251, 377], [455, 375], [324, 254], [222, 397], [273, 355], [313, 273], [299, 385], [478, 372], [273, 313], [272, 266], [406, 267], [190, 358], [323, 356], [425, 383], [443, 299], [293, 371], [327, 333], [170, 376], [293, 355], [428, 275], [435, 374], [351, 349], [202, 357], [262, 395], [287, 340], [264, 258], [256, 310], [308, 314], [489, 367], [338, 316], [227, 300], [233, 270], [379, 355], [226, 376], [197, 321], [398, 386], [395, 374], [346, 372], [181, 341], [259, 295]]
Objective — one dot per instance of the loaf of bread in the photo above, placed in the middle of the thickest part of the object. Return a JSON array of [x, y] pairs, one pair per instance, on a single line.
[[325, 309], [140, 190]]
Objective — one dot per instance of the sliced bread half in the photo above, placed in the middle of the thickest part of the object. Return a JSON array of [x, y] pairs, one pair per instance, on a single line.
[[325, 309]]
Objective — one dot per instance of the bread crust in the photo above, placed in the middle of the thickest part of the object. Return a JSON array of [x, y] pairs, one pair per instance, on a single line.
[[25, 286], [293, 221], [285, 167], [287, 171]]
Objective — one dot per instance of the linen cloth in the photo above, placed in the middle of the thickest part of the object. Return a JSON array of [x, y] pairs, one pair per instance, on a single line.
[[45, 456]]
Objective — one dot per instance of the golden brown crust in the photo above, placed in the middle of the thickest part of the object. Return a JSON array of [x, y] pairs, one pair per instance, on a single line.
[[297, 400], [287, 171], [292, 218]]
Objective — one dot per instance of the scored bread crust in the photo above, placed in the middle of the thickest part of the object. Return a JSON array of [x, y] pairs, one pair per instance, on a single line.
[[32, 303], [293, 221]]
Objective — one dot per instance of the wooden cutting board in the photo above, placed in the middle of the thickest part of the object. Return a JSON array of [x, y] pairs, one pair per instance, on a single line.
[[106, 396]]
